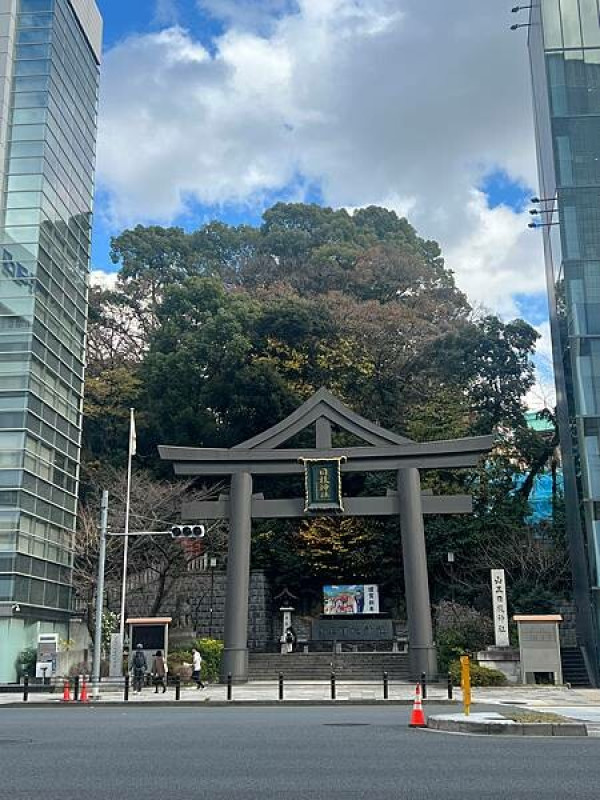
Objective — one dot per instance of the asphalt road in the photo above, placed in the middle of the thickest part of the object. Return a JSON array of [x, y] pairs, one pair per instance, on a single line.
[[283, 753]]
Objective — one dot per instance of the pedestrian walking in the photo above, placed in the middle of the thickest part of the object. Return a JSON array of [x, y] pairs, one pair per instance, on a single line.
[[290, 639], [197, 668], [139, 669], [159, 671]]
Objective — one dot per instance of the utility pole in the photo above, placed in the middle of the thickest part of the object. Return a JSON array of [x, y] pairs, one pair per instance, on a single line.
[[132, 450], [100, 595]]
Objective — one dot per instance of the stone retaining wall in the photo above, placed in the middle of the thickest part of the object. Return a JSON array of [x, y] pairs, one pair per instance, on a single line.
[[188, 601]]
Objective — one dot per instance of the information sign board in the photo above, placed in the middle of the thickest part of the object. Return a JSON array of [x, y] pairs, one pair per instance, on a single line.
[[351, 599]]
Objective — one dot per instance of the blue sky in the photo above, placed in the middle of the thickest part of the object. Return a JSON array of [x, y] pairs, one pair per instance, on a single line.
[[215, 109], [123, 18]]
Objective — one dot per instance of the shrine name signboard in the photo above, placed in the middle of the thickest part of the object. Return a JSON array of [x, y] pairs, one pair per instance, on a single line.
[[323, 484]]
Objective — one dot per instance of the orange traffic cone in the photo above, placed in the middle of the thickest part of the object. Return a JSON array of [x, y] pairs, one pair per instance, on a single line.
[[417, 717], [66, 698], [85, 698]]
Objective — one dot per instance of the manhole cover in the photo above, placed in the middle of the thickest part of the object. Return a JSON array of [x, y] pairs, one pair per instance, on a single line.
[[346, 724]]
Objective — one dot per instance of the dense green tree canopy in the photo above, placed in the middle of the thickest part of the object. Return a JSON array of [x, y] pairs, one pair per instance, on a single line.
[[218, 334]]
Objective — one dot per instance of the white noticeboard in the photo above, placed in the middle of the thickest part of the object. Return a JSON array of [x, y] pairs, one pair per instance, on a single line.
[[44, 669], [371, 598], [116, 656], [500, 610]]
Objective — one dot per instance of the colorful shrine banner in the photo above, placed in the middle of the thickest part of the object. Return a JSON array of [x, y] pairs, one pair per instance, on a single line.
[[351, 599]]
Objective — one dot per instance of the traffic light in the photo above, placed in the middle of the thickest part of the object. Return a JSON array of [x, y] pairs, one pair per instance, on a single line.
[[188, 531]]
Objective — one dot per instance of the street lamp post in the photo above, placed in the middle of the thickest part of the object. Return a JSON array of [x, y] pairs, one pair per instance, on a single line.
[[451, 562]]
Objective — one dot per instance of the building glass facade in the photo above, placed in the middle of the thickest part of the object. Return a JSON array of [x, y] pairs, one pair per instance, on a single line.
[[47, 143], [564, 46]]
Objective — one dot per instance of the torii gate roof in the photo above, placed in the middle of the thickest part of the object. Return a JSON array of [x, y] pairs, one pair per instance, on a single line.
[[385, 450]]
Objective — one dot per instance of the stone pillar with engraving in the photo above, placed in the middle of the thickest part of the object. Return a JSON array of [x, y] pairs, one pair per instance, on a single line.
[[500, 609], [501, 656]]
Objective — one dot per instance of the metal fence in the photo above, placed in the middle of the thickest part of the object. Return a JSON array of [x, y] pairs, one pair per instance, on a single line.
[[80, 689]]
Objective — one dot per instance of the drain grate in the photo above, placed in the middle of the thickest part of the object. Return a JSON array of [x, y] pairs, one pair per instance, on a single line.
[[16, 741], [346, 724]]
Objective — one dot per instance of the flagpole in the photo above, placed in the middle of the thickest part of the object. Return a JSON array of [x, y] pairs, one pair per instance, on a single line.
[[131, 452]]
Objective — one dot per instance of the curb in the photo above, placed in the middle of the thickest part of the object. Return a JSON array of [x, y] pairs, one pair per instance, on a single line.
[[54, 704], [508, 729]]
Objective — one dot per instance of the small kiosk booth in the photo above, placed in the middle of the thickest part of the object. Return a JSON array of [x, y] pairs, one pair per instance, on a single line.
[[539, 643], [152, 633]]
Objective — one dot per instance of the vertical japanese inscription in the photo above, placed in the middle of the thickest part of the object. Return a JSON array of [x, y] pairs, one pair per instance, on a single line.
[[323, 484], [499, 606]]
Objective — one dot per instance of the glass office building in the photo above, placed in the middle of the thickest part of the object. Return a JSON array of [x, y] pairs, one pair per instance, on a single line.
[[564, 46], [49, 70]]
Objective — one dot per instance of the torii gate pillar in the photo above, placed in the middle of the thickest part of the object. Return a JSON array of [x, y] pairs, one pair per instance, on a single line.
[[235, 654], [422, 654]]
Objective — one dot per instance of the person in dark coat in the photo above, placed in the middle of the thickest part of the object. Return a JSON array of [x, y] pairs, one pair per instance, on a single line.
[[139, 668], [159, 671], [291, 639]]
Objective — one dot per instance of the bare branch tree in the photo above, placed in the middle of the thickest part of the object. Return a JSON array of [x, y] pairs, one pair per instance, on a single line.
[[154, 562]]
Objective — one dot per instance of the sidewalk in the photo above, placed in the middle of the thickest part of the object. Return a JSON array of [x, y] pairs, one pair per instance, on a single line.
[[320, 691], [537, 696], [258, 692]]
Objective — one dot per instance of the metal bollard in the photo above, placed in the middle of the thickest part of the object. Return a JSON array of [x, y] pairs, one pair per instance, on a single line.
[[386, 686], [450, 687], [25, 688], [424, 686], [178, 687], [333, 685], [229, 686], [76, 689], [281, 685], [126, 689]]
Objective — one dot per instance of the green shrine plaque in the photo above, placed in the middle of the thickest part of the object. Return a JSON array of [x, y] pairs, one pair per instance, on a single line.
[[323, 483]]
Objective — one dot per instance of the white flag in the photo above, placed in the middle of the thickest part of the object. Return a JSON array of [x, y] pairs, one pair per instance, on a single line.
[[132, 436]]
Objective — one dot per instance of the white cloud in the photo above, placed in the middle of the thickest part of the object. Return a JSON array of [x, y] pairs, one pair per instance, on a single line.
[[105, 280], [397, 102], [543, 394], [247, 14], [496, 255], [166, 12]]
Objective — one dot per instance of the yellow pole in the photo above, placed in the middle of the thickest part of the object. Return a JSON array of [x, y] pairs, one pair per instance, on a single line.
[[465, 682]]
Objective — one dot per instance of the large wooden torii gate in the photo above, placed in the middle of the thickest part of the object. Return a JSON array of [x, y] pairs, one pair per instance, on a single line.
[[385, 451]]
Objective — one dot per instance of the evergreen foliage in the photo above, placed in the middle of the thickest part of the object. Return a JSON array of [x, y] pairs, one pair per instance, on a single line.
[[217, 334]]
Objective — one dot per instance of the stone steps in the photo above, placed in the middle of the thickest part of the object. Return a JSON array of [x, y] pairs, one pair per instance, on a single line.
[[318, 666], [573, 667]]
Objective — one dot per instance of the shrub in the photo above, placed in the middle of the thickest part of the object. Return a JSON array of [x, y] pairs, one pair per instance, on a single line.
[[211, 651], [212, 654], [177, 659], [460, 630], [26, 662], [480, 676]]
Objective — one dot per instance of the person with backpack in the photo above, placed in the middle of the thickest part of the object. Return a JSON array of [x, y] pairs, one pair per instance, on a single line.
[[139, 668]]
